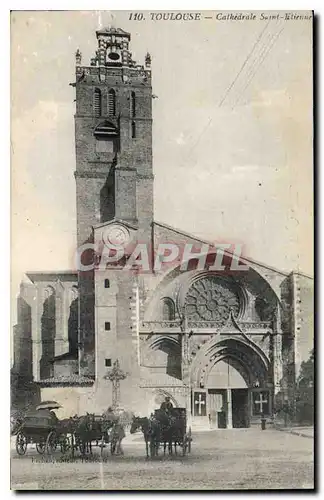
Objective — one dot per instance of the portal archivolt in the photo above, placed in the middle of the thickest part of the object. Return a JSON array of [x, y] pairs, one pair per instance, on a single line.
[[246, 359]]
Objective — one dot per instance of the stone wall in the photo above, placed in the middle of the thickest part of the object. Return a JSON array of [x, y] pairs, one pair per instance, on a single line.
[[304, 318]]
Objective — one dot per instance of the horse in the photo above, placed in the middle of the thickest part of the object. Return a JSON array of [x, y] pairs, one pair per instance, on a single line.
[[169, 431], [15, 423], [155, 432], [89, 428], [150, 432], [83, 428]]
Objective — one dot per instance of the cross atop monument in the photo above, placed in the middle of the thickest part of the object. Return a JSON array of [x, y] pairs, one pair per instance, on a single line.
[[115, 375]]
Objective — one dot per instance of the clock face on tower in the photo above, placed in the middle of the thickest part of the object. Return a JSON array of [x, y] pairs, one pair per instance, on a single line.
[[116, 235]]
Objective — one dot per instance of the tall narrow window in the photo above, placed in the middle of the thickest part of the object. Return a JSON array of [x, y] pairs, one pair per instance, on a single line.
[[97, 102], [133, 104], [168, 309], [111, 102], [133, 130]]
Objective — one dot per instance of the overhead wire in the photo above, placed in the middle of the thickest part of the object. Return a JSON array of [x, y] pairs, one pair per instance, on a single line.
[[264, 54], [230, 87]]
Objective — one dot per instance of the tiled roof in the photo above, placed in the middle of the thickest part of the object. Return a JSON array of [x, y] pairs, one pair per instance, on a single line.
[[67, 275], [67, 380]]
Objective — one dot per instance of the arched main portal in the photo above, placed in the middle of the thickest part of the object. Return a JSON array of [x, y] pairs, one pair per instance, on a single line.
[[230, 384]]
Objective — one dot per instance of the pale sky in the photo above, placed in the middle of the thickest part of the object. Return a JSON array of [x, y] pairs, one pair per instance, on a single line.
[[237, 169]]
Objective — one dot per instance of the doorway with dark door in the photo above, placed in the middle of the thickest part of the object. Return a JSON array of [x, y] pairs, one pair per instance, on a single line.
[[217, 408], [240, 406]]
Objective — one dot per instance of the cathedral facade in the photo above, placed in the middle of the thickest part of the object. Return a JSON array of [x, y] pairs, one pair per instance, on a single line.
[[223, 341]]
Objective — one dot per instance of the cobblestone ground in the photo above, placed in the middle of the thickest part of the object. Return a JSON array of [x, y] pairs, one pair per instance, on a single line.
[[219, 460]]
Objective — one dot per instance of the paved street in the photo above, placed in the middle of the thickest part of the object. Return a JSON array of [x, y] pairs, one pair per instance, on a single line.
[[229, 459]]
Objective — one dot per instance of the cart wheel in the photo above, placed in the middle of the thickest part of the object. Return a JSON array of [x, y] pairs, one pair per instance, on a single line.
[[21, 443], [40, 447], [184, 446], [51, 442]]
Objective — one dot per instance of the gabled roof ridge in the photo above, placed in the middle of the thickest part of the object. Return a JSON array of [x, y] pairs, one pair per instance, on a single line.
[[226, 252], [300, 273], [179, 231]]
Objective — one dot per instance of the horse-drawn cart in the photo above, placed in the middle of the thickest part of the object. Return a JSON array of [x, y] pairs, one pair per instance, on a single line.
[[164, 428], [41, 429], [98, 430], [91, 428], [183, 431], [68, 435], [174, 429]]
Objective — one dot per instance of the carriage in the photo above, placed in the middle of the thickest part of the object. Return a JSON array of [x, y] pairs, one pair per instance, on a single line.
[[164, 428], [67, 435], [174, 429], [41, 429]]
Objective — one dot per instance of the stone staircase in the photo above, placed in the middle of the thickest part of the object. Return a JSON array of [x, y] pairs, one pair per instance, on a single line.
[[199, 424]]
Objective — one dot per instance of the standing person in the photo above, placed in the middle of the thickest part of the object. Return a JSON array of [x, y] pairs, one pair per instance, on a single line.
[[54, 417], [110, 414], [117, 434]]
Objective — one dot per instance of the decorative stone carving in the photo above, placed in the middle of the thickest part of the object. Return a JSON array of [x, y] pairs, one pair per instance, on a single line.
[[211, 325], [158, 325], [255, 325], [211, 299], [197, 343], [263, 342]]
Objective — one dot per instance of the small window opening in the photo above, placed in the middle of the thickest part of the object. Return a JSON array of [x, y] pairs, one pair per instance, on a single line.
[[97, 102], [111, 102], [133, 104], [133, 130]]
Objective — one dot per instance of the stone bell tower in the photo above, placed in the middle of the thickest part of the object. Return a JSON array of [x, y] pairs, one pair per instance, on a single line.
[[113, 141], [113, 136]]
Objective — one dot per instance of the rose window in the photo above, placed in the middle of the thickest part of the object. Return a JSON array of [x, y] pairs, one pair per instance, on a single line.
[[211, 299]]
